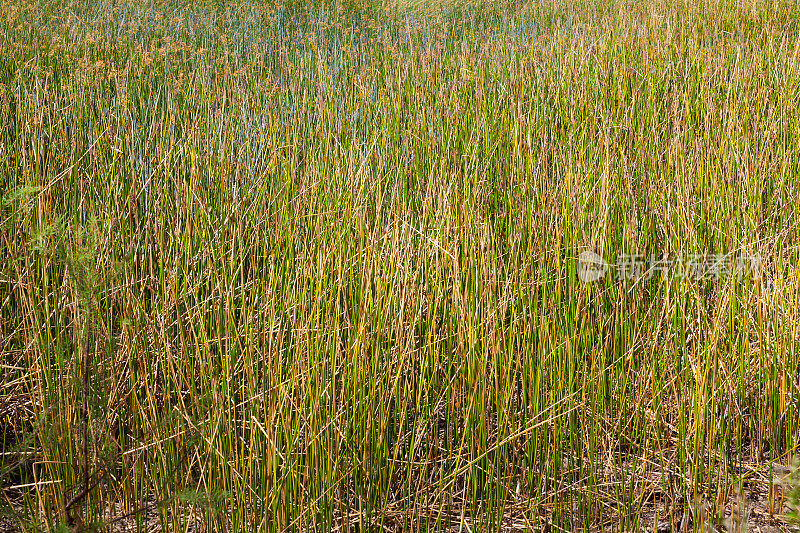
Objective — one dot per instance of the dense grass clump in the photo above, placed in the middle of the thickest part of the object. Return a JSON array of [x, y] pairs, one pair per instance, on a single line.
[[314, 266]]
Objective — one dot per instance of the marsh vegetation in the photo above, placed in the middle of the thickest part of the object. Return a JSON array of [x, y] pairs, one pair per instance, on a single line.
[[313, 266]]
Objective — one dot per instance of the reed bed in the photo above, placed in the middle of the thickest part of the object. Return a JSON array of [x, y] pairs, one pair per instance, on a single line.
[[313, 266]]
